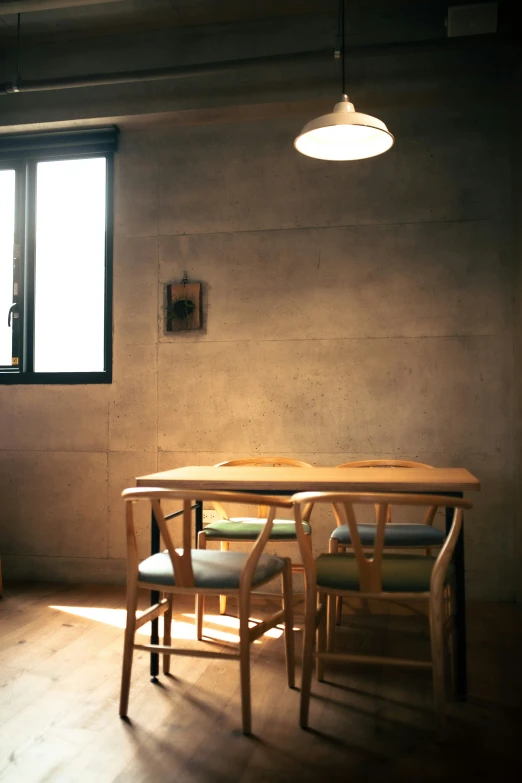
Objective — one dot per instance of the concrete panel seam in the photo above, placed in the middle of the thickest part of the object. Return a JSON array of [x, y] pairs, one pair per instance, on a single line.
[[337, 339], [325, 228]]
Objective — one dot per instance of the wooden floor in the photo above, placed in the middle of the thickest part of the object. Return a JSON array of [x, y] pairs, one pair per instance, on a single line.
[[60, 657]]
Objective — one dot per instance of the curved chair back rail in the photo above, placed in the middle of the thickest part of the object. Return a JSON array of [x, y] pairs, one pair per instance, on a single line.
[[369, 563], [274, 462], [384, 463], [389, 463]]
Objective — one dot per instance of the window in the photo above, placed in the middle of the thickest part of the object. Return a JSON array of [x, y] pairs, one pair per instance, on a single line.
[[55, 257]]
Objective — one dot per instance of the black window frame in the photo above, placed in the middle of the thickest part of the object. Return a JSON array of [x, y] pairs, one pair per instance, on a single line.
[[23, 153]]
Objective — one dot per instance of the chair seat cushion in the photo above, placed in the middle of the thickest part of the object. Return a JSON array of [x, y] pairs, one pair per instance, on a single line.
[[211, 569], [394, 535], [399, 573], [249, 528]]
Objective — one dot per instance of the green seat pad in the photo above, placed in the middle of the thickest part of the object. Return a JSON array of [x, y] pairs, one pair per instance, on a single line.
[[394, 535], [399, 573], [249, 528], [211, 569]]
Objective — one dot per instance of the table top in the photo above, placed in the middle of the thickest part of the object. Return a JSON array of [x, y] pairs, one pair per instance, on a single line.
[[290, 479]]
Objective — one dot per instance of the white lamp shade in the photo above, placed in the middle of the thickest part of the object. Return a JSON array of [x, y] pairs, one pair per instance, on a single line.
[[344, 135]]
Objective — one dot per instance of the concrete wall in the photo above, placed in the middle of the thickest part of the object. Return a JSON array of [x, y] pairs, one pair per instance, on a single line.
[[351, 310]]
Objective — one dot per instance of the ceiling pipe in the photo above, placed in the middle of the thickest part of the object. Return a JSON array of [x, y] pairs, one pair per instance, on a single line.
[[47, 5], [157, 74], [223, 66]]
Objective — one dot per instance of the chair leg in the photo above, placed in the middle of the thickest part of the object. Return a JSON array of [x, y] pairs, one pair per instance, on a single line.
[[338, 609], [200, 613], [225, 546], [167, 626], [244, 661], [200, 599], [308, 652], [333, 547], [322, 604], [289, 623], [308, 539], [331, 611], [437, 657], [453, 642], [128, 646]]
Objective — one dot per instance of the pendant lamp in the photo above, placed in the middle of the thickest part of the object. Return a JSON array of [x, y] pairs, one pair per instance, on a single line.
[[345, 134]]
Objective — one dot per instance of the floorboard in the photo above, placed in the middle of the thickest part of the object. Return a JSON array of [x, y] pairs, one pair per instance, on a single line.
[[60, 659]]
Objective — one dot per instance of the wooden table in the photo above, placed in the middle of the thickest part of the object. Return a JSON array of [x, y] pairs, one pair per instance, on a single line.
[[288, 480]]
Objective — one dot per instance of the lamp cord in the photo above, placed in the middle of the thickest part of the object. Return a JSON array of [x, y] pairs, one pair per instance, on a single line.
[[343, 77], [18, 50]]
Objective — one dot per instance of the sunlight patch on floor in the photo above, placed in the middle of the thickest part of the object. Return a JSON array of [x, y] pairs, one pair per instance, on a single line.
[[233, 622], [215, 626]]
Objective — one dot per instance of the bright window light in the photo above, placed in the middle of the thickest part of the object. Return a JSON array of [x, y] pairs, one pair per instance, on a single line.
[[7, 224], [70, 265]]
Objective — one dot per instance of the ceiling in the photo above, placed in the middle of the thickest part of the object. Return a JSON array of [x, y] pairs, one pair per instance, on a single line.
[[126, 36], [118, 16], [367, 21]]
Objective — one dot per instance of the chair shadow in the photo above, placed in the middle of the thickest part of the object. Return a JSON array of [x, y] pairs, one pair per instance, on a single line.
[[375, 696], [335, 742], [186, 691]]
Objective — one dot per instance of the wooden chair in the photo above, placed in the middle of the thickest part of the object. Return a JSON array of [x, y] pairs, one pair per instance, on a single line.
[[233, 529], [382, 576], [420, 535], [198, 572]]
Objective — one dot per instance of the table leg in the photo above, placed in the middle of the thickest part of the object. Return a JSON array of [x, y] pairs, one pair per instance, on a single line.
[[460, 616], [199, 519], [154, 599]]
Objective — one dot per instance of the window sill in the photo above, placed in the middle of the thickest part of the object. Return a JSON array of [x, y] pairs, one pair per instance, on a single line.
[[8, 377]]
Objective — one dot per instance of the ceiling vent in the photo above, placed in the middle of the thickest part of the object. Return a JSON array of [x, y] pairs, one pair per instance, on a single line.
[[473, 19]]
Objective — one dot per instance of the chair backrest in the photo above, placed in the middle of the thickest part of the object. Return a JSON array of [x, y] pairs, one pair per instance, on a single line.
[[181, 557], [267, 462], [369, 563], [391, 463], [274, 462], [384, 463]]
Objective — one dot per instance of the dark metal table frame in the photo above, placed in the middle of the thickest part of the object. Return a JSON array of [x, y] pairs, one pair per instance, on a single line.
[[460, 588]]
